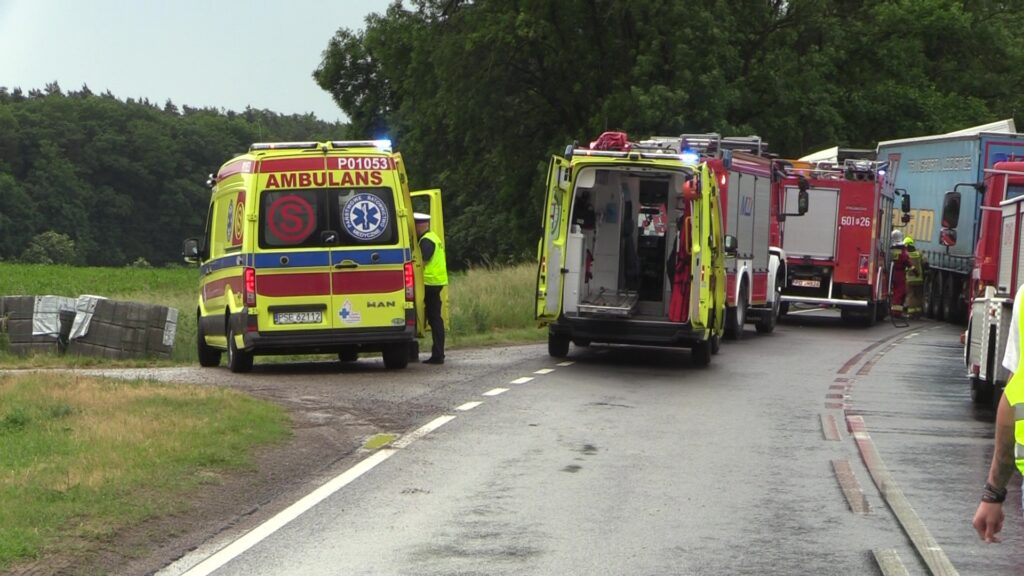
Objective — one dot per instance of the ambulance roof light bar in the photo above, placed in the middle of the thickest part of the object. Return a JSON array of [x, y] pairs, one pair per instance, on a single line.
[[282, 146]]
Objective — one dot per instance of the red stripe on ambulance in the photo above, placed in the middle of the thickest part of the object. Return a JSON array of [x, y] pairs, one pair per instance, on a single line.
[[368, 282], [294, 284]]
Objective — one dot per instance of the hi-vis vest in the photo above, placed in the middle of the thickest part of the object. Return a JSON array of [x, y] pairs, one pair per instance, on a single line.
[[1015, 396], [915, 274], [435, 273]]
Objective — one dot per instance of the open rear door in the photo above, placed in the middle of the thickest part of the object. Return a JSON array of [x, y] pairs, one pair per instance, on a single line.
[[429, 202], [551, 251]]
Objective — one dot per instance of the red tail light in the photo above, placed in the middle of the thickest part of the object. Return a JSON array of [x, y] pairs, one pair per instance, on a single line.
[[250, 287], [862, 267], [410, 283]]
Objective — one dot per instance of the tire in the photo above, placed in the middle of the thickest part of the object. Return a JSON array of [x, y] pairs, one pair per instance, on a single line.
[[736, 317], [208, 356], [981, 392], [949, 299], [558, 345], [716, 343], [348, 355], [700, 353], [239, 361], [766, 323], [783, 309], [931, 297], [938, 291], [396, 356], [882, 310], [870, 314], [581, 343]]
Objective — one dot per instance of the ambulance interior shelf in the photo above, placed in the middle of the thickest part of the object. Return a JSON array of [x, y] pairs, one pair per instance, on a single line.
[[618, 246]]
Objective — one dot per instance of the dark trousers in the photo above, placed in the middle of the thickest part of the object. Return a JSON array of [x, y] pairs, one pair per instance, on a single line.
[[435, 320]]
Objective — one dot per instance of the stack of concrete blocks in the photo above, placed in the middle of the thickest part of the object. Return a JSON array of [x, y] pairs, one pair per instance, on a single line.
[[36, 324], [119, 329], [88, 326]]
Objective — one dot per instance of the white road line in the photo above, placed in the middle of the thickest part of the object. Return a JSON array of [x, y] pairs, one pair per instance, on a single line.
[[256, 535], [569, 363], [543, 371], [495, 392], [468, 406], [236, 548], [422, 431], [522, 380]]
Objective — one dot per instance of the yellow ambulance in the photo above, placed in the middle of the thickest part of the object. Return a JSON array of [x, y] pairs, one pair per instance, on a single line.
[[633, 248], [309, 248]]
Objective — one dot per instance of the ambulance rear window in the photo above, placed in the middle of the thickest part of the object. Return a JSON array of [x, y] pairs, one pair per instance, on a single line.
[[310, 218]]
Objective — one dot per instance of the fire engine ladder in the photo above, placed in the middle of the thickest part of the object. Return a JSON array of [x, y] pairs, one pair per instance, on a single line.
[[713, 144]]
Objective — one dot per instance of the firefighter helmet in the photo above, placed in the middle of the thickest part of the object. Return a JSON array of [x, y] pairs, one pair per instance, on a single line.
[[896, 237], [908, 241]]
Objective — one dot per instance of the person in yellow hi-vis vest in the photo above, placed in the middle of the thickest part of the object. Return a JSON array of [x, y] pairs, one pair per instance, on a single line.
[[435, 278], [915, 278], [1009, 444]]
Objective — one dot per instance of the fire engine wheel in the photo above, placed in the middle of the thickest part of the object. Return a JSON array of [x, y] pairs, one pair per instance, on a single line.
[[783, 309], [766, 323], [239, 361], [208, 356], [558, 345], [396, 356], [700, 353], [736, 317]]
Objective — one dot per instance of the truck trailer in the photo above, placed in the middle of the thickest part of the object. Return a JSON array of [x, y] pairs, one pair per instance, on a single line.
[[926, 168]]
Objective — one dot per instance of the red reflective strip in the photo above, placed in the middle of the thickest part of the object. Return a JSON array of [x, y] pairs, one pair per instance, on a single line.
[[291, 165], [383, 281], [294, 284], [236, 167], [217, 288]]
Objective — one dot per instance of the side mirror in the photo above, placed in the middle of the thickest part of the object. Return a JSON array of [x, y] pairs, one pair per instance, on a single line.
[[947, 237], [727, 159], [905, 218], [802, 202], [904, 200], [190, 250], [730, 244], [951, 211]]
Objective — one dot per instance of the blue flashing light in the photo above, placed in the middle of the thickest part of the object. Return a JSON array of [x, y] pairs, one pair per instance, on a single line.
[[384, 145], [689, 157]]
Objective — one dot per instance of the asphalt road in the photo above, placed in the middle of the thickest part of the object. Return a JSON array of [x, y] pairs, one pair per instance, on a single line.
[[629, 461]]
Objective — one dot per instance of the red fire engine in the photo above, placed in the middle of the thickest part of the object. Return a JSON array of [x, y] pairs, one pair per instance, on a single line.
[[751, 207], [837, 255], [996, 275]]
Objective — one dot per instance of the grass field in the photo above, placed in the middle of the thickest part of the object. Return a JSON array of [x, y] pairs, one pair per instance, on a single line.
[[487, 306], [82, 457]]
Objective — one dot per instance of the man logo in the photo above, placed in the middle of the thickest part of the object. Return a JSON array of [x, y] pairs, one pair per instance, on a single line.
[[390, 304]]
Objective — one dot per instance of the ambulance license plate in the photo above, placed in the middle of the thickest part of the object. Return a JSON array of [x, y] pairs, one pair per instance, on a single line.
[[298, 317], [806, 283]]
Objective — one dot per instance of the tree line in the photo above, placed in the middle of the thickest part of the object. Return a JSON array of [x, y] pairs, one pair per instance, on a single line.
[[477, 95]]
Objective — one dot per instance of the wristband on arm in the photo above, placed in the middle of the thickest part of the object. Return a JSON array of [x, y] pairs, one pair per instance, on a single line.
[[992, 494]]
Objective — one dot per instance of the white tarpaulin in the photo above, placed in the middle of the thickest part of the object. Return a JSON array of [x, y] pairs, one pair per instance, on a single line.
[[46, 314], [84, 308]]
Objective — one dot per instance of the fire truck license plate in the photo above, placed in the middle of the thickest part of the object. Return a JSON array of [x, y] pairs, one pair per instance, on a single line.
[[806, 283], [298, 317]]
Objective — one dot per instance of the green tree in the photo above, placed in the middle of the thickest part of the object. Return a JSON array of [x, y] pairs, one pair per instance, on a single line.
[[51, 248]]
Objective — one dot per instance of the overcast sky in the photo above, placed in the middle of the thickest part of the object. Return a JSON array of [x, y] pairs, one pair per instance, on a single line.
[[226, 54]]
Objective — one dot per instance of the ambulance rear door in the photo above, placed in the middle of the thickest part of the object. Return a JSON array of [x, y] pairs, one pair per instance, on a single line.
[[551, 252], [429, 202], [292, 267], [369, 254]]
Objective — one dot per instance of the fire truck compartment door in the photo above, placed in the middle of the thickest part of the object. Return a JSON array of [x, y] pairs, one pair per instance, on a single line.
[[813, 234]]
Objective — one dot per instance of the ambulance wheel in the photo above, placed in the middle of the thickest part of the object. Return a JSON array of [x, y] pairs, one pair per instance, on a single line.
[[348, 355], [208, 356], [239, 361], [396, 356], [700, 353], [558, 345], [716, 343]]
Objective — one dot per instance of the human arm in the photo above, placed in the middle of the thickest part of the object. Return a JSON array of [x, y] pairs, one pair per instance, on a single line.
[[427, 248], [988, 519]]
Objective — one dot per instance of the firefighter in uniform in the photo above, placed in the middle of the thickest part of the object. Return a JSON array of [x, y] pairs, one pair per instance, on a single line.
[[1009, 443], [435, 278], [915, 278], [900, 263]]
